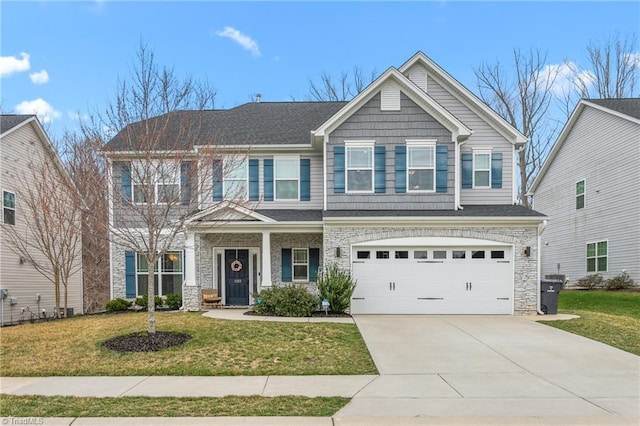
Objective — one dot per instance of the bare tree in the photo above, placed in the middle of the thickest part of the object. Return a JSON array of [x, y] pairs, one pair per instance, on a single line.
[[52, 234], [87, 169], [523, 100], [344, 88], [163, 158]]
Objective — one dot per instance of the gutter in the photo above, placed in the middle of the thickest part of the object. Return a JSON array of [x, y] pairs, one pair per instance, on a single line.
[[541, 228]]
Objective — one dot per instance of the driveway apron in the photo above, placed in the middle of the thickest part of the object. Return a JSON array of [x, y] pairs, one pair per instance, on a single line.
[[491, 366]]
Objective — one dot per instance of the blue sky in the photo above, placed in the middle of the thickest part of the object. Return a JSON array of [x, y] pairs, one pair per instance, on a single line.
[[61, 59]]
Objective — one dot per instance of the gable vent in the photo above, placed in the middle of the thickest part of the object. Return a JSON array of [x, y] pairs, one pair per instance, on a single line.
[[390, 97], [419, 77]]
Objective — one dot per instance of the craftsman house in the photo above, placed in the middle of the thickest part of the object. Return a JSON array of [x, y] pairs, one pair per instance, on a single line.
[[410, 185]]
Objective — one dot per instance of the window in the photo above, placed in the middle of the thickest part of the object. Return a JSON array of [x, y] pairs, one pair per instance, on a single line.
[[363, 255], [420, 254], [439, 254], [382, 254], [482, 169], [477, 254], [9, 207], [167, 276], [235, 180], [497, 254], [421, 160], [155, 181], [360, 168], [287, 178], [580, 195], [402, 254], [300, 264], [597, 256], [458, 254]]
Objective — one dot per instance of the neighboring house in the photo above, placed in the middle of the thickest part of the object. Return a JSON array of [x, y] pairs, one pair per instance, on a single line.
[[410, 185], [588, 187], [23, 141]]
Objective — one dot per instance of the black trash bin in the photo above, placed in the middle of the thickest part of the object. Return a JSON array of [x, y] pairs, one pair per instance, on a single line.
[[549, 290]]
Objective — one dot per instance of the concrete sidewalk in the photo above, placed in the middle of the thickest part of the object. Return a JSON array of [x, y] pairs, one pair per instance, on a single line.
[[239, 315]]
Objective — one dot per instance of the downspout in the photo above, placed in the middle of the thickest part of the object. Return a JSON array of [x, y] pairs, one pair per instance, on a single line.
[[541, 228], [325, 140], [457, 176]]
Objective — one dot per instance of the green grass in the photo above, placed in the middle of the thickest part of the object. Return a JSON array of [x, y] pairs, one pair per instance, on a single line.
[[128, 406], [218, 348], [606, 316]]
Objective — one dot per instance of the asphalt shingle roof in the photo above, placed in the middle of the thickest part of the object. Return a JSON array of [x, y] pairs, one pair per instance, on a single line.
[[468, 211], [291, 215], [9, 121], [256, 123], [627, 106]]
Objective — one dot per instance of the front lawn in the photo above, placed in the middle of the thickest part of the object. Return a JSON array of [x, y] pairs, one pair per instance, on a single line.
[[73, 347], [128, 406], [611, 317]]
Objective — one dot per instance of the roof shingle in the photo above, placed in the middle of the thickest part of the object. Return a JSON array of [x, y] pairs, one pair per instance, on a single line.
[[627, 106], [9, 121]]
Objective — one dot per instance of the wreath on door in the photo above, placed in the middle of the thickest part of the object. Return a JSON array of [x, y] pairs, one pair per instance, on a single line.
[[236, 266]]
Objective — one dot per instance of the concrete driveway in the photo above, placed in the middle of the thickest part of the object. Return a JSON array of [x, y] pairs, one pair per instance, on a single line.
[[495, 366]]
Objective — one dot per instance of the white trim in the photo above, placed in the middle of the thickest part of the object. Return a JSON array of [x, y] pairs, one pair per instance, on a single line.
[[245, 160], [586, 258], [226, 204], [431, 241], [324, 171], [584, 194], [14, 208], [482, 151], [359, 144], [293, 265], [411, 143]]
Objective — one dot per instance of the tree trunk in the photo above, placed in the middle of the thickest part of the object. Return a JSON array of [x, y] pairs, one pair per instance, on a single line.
[[151, 305], [522, 164], [56, 285], [66, 312]]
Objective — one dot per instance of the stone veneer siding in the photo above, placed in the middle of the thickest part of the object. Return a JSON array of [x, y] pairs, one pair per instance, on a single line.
[[294, 240], [525, 285]]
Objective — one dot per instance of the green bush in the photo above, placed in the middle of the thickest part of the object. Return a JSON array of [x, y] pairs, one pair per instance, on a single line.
[[590, 281], [118, 305], [285, 301], [174, 301], [619, 282], [336, 285], [143, 301]]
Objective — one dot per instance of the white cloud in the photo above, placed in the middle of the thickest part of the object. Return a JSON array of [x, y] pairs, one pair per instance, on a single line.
[[45, 112], [41, 77], [75, 116], [11, 64], [243, 40], [633, 57], [568, 76]]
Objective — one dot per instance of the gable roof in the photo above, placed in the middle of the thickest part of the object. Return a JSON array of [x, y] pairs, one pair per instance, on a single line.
[[409, 88], [9, 122], [627, 108], [254, 123], [467, 97]]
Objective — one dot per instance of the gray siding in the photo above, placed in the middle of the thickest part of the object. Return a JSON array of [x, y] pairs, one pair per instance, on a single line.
[[390, 129], [484, 136], [603, 150], [315, 203], [22, 280]]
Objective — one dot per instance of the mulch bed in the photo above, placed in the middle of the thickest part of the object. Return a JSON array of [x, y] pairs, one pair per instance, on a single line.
[[316, 314], [142, 341]]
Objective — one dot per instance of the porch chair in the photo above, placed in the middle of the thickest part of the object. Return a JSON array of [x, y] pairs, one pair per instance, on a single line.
[[210, 297]]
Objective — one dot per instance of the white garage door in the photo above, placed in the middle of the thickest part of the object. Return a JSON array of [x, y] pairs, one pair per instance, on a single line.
[[432, 280]]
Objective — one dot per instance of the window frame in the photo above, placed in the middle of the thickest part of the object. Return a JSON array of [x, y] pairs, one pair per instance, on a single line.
[[277, 159], [348, 145], [426, 143], [155, 167], [4, 207], [294, 264], [226, 181], [475, 169], [159, 272], [583, 194], [597, 256]]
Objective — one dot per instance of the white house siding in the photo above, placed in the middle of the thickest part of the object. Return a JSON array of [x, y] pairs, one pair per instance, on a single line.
[[604, 150], [484, 136], [23, 282], [525, 269]]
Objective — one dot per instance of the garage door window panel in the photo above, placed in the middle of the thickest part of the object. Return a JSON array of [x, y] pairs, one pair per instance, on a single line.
[[439, 254], [360, 168], [477, 254], [420, 254], [382, 254], [497, 254], [363, 255], [458, 254], [402, 254]]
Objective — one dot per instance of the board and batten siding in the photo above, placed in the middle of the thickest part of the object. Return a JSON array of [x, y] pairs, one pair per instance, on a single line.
[[484, 136], [22, 280], [390, 129], [604, 151]]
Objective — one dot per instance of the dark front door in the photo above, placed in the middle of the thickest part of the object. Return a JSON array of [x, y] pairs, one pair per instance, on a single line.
[[237, 277]]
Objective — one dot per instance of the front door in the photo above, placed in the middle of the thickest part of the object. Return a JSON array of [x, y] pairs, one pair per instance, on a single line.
[[237, 277]]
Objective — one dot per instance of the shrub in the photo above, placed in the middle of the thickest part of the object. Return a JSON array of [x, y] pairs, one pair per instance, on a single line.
[[590, 281], [336, 285], [285, 301], [174, 301], [619, 282], [143, 301], [118, 305]]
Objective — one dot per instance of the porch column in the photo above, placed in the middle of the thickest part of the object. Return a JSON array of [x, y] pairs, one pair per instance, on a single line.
[[266, 259], [190, 260]]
